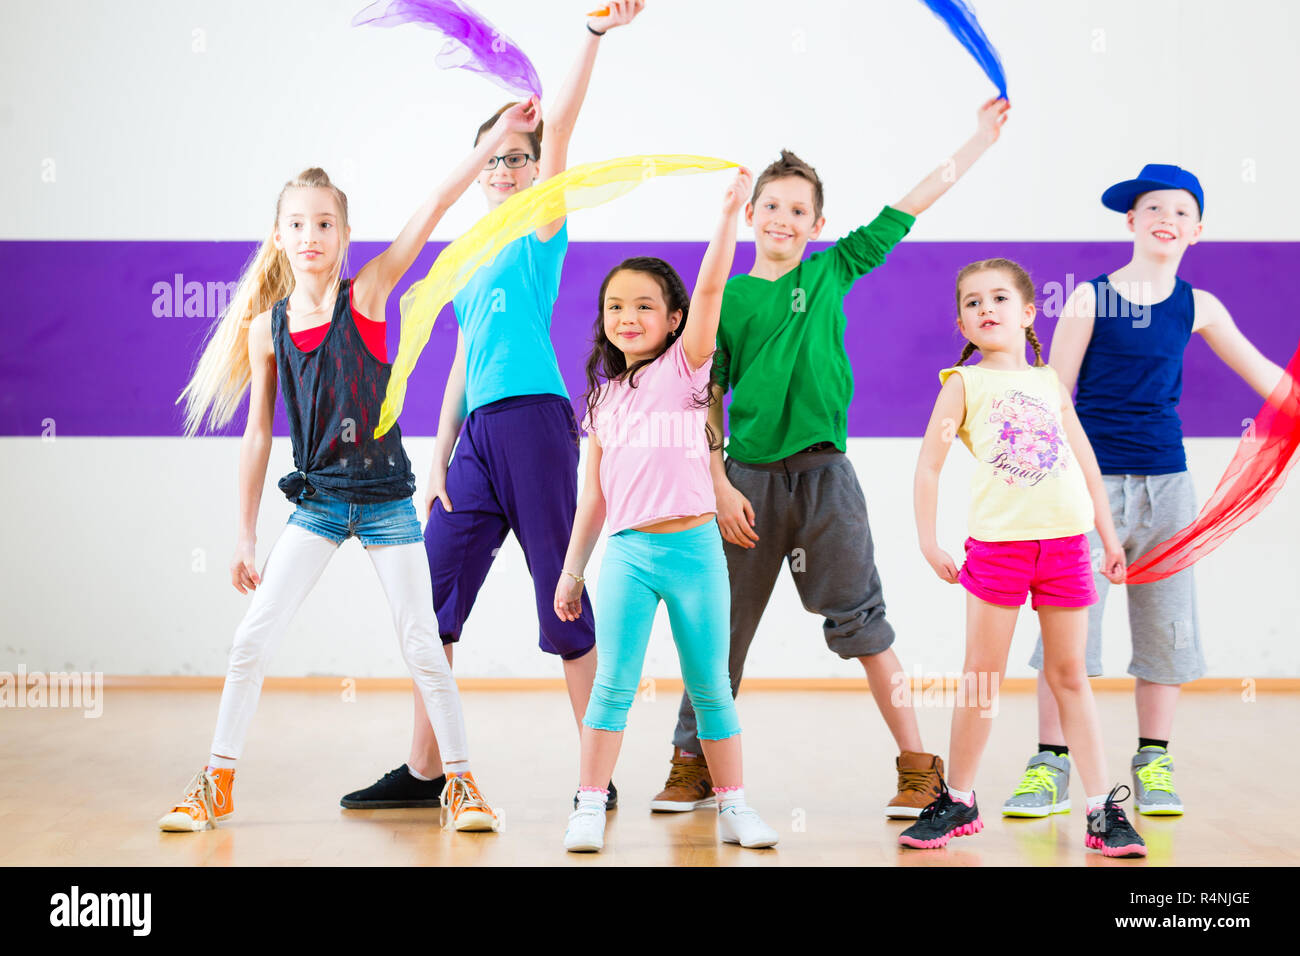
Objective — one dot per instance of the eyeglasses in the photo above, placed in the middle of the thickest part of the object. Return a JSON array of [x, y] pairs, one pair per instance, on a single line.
[[513, 161]]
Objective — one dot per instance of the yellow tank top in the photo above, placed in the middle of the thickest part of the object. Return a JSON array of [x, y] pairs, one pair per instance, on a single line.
[[1027, 483]]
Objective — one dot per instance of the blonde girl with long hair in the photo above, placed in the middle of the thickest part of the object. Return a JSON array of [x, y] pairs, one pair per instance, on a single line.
[[295, 318]]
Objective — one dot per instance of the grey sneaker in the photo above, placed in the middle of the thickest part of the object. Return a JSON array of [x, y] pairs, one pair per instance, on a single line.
[[1153, 783], [1043, 790]]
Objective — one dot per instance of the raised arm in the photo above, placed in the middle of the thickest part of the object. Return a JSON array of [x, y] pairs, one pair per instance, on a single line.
[[991, 117], [254, 452], [1073, 333], [1238, 352], [701, 335], [945, 421], [377, 277], [562, 115]]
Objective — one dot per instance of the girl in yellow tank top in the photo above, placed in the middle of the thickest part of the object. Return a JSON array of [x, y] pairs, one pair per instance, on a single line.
[[1036, 492]]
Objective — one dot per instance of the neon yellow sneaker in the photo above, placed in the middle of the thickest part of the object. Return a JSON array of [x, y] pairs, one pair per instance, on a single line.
[[1043, 790], [1153, 783]]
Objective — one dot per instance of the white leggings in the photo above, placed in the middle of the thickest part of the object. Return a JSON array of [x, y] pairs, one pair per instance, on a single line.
[[292, 569]]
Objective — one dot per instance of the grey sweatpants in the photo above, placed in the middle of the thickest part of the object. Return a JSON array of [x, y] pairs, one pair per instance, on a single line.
[[1148, 510], [809, 512]]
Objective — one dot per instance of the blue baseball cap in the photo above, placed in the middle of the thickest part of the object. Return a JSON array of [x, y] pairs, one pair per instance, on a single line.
[[1122, 196]]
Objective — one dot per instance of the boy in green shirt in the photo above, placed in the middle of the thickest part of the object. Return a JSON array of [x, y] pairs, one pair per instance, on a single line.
[[786, 487]]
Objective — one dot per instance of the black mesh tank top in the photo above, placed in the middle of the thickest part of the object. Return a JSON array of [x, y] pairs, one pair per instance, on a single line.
[[332, 395]]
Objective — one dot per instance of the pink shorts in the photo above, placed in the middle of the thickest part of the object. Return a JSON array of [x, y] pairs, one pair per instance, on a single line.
[[1057, 571]]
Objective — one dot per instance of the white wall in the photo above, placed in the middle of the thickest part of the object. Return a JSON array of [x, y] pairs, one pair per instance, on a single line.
[[152, 140], [152, 130], [103, 538]]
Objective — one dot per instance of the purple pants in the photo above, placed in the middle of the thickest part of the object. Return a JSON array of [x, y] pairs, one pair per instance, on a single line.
[[515, 468]]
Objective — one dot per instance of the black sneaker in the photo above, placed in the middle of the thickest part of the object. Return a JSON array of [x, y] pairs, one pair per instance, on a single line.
[[396, 790], [1110, 831], [941, 820], [611, 802]]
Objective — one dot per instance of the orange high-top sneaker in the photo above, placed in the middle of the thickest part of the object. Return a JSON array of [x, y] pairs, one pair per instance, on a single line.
[[464, 806], [208, 798]]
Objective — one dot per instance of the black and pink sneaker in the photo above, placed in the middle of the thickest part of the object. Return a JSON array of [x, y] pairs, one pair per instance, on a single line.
[[1110, 831], [942, 820]]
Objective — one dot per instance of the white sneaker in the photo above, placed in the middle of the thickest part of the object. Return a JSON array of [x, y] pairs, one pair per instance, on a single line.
[[744, 826], [586, 832]]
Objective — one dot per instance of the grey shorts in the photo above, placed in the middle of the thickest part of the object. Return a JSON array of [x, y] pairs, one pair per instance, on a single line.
[[1147, 510], [811, 516]]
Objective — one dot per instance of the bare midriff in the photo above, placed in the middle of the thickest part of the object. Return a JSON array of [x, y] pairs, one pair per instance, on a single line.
[[670, 525]]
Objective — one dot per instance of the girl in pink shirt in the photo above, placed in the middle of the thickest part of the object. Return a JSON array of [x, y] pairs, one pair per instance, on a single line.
[[648, 475]]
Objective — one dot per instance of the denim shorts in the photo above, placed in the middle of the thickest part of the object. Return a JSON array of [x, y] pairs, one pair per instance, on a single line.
[[383, 523]]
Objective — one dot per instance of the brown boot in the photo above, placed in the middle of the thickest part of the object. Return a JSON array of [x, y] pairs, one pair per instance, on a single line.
[[689, 786], [919, 776]]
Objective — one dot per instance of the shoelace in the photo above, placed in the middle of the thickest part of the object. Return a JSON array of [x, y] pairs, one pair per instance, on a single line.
[[199, 795], [1036, 780], [1156, 775], [1112, 812], [914, 780], [464, 796], [941, 804], [686, 774]]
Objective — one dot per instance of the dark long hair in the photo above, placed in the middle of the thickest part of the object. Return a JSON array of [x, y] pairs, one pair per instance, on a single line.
[[607, 363]]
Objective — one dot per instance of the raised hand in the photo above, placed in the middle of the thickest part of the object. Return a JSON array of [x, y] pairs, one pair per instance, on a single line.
[[521, 118], [738, 192], [616, 13], [991, 117]]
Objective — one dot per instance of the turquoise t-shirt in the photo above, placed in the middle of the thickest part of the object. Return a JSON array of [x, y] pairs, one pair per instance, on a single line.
[[504, 312]]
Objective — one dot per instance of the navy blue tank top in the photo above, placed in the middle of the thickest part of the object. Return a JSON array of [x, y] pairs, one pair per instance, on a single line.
[[1131, 380], [332, 396]]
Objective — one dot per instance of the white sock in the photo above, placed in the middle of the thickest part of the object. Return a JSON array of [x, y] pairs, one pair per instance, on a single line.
[[593, 798], [731, 798], [455, 768], [1094, 802], [221, 763], [417, 775], [962, 796]]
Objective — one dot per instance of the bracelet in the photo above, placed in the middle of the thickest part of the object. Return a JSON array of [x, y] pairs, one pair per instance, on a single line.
[[599, 33], [577, 577]]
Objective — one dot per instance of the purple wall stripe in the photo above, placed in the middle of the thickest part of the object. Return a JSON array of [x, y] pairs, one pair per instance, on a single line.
[[101, 336]]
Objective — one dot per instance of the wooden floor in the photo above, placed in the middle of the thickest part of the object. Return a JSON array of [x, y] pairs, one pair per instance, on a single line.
[[819, 767]]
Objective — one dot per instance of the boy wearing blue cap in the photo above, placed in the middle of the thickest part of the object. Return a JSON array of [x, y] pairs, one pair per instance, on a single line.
[[1121, 337]]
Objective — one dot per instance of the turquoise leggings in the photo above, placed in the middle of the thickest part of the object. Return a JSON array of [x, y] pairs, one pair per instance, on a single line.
[[688, 571]]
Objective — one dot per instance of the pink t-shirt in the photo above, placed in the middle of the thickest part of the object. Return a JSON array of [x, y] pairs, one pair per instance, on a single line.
[[654, 461]]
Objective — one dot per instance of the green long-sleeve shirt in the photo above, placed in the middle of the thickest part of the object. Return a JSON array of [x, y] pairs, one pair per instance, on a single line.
[[781, 346]]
